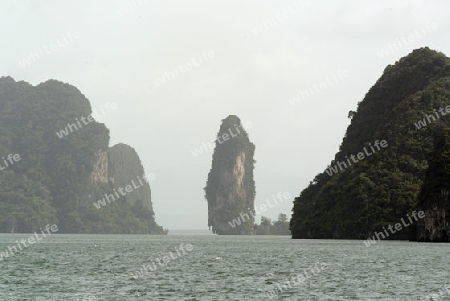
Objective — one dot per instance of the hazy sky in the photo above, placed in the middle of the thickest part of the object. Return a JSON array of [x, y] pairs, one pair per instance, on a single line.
[[248, 58]]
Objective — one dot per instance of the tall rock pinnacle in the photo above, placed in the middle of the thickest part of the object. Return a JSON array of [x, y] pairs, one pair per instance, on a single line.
[[230, 188]]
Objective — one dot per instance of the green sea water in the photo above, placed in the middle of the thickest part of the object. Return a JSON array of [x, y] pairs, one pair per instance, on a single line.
[[110, 267]]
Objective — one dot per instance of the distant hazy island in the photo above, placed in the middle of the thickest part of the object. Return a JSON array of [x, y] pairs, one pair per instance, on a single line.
[[61, 166]]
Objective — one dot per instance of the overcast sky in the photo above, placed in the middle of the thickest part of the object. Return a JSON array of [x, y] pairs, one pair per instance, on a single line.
[[248, 58]]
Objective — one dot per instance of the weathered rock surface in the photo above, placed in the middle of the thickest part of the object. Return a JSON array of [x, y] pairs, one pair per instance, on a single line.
[[230, 189], [434, 195]]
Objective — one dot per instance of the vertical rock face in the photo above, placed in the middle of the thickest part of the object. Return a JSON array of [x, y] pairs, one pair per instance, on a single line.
[[435, 226], [100, 168], [230, 188], [434, 195]]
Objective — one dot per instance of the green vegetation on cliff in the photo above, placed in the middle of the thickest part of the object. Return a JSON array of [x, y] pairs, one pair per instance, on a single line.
[[125, 159], [58, 179], [230, 188], [382, 188]]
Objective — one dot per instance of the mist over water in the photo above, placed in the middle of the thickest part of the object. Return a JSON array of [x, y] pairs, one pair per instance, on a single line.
[[101, 267]]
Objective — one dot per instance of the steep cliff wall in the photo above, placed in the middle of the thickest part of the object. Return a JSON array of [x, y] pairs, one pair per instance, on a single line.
[[230, 188], [435, 225], [100, 168], [434, 196]]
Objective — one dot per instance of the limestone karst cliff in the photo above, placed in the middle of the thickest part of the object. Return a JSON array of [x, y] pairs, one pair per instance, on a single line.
[[230, 188], [401, 108], [100, 168], [434, 197], [64, 165]]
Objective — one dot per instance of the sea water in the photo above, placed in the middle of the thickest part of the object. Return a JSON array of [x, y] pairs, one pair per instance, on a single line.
[[211, 267]]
